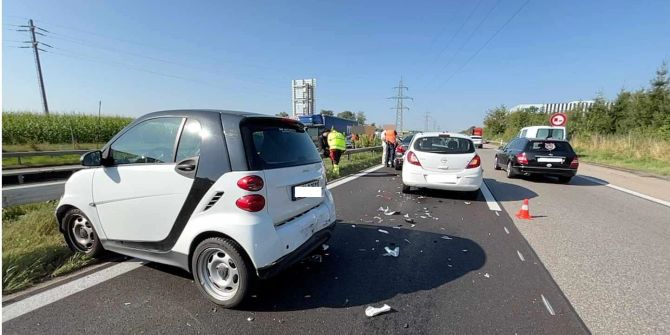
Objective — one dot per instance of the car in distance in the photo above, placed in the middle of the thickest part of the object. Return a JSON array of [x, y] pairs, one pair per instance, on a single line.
[[227, 196], [400, 150], [444, 161], [534, 156], [477, 140]]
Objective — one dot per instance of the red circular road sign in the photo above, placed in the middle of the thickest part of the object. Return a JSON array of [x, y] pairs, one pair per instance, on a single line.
[[558, 119]]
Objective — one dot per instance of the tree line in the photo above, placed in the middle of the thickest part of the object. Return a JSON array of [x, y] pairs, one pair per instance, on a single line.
[[642, 112]]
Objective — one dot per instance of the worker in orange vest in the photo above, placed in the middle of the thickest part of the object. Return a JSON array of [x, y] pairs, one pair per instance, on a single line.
[[391, 140]]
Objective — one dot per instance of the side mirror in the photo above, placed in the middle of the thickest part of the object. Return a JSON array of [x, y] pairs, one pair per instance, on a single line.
[[91, 158]]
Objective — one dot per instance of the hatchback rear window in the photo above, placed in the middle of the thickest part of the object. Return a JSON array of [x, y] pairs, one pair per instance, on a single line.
[[549, 146], [444, 145], [276, 143]]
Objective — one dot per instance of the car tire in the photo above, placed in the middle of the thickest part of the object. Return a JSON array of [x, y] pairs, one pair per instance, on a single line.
[[510, 170], [80, 235], [221, 272], [564, 180], [406, 189], [495, 164]]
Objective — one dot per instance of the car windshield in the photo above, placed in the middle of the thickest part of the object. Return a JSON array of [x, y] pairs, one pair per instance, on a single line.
[[272, 144], [444, 145], [549, 146], [407, 139]]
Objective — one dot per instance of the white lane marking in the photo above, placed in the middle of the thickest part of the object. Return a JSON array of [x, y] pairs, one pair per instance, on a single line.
[[507, 231], [47, 297], [547, 305], [625, 190], [490, 200], [497, 213], [18, 187], [354, 176], [56, 293], [520, 256]]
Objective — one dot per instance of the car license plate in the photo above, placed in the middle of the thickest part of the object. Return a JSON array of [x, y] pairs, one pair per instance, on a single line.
[[308, 190], [550, 160], [447, 179]]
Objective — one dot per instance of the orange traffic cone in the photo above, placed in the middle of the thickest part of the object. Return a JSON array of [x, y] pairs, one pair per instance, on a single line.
[[524, 213]]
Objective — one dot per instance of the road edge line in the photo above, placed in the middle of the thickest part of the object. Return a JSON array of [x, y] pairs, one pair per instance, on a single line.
[[625, 190], [356, 175], [490, 199], [59, 292]]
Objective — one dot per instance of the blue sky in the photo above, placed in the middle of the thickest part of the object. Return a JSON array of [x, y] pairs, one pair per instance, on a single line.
[[142, 56]]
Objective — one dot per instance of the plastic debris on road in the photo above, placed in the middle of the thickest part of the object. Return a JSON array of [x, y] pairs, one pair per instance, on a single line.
[[409, 220], [251, 318], [382, 231], [445, 237], [406, 215], [423, 217], [392, 252], [374, 311], [391, 213], [487, 275], [126, 303], [316, 258], [378, 218], [467, 202], [382, 209], [406, 240], [325, 247]]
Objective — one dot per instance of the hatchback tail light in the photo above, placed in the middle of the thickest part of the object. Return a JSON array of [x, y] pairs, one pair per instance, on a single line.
[[250, 183], [474, 162], [575, 163], [521, 158], [251, 203], [400, 149], [412, 159]]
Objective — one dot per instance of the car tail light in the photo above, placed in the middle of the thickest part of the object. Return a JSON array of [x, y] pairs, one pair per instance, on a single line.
[[251, 203], [521, 158], [575, 163], [412, 159], [400, 149], [250, 183], [474, 162]]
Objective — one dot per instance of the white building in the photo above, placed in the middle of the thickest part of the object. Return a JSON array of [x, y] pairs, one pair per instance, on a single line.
[[560, 107]]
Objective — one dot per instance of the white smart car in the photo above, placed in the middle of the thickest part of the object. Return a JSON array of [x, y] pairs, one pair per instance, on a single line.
[[444, 161], [228, 196]]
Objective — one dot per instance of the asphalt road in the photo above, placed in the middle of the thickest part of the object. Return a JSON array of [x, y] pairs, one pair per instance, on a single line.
[[483, 277], [609, 251], [29, 193]]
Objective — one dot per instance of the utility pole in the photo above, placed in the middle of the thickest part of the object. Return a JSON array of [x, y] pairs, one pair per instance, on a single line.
[[426, 126], [36, 49], [400, 107]]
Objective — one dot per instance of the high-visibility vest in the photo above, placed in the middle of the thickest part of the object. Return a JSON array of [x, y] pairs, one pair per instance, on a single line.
[[390, 136], [336, 140]]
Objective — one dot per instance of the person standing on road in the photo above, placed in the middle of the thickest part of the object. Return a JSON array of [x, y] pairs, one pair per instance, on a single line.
[[391, 139], [323, 140], [383, 138], [337, 144]]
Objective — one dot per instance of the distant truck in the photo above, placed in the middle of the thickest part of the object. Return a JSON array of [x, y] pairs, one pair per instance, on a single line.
[[316, 124], [476, 137]]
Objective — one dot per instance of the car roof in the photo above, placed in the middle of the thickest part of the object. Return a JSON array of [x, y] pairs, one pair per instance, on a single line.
[[436, 133], [544, 139], [200, 111]]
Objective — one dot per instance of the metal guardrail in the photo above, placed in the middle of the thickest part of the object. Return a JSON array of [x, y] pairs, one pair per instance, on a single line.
[[54, 153]]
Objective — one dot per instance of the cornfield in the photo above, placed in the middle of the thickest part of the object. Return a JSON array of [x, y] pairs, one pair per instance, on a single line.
[[32, 128]]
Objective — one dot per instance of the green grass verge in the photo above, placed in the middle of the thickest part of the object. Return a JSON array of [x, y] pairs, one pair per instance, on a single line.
[[358, 162], [626, 162], [13, 162], [644, 154], [32, 247]]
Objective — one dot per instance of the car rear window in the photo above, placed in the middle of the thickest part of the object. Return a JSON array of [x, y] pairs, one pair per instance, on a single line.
[[277, 143], [444, 145], [407, 139], [549, 146]]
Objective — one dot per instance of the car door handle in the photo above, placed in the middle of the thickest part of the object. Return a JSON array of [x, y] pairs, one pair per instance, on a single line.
[[187, 165]]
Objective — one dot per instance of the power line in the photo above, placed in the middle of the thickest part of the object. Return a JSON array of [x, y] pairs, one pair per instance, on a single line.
[[400, 108], [472, 33], [487, 42]]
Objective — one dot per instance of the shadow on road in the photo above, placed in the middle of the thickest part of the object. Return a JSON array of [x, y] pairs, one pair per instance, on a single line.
[[574, 181], [381, 174], [508, 192], [353, 274]]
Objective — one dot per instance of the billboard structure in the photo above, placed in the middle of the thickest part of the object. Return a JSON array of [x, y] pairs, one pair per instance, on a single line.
[[303, 96]]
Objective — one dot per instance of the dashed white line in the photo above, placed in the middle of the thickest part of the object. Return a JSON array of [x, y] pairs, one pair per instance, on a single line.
[[507, 231], [42, 299], [520, 256], [490, 200], [547, 305], [625, 190]]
